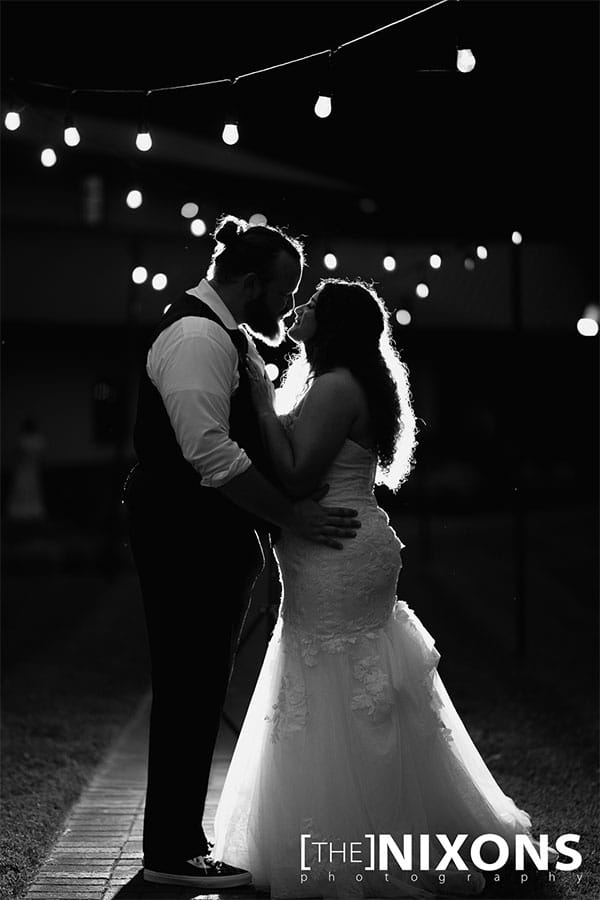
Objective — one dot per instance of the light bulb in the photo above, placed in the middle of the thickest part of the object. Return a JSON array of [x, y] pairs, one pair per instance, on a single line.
[[330, 261], [482, 252], [272, 371], [587, 327], [189, 210], [159, 281], [72, 136], [465, 61], [139, 275], [134, 199], [257, 219], [12, 120], [143, 141], [422, 290], [323, 106], [389, 263], [435, 260], [516, 237], [230, 134], [469, 263], [198, 227], [403, 317], [48, 157]]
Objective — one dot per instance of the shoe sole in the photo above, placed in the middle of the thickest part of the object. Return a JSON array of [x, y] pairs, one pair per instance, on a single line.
[[207, 881]]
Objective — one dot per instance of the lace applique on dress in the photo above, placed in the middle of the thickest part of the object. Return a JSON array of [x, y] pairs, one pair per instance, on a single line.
[[290, 712], [374, 694]]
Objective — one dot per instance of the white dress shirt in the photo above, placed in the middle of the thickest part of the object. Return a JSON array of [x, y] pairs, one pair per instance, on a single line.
[[194, 365]]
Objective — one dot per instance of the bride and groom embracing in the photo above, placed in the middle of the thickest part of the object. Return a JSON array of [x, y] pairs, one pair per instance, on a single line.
[[350, 731]]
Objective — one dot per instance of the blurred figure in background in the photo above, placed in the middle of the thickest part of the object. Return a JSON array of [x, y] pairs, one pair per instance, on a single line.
[[25, 508]]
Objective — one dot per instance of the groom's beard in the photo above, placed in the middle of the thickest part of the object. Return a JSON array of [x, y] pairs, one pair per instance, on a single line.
[[263, 323]]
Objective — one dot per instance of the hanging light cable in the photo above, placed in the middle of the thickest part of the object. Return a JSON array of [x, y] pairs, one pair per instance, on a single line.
[[71, 133], [143, 140], [230, 133], [323, 104], [465, 61]]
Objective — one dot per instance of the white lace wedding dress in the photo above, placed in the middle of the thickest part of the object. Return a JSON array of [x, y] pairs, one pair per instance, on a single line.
[[350, 730]]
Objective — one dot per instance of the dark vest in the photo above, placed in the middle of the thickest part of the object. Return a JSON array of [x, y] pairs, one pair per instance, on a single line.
[[162, 475]]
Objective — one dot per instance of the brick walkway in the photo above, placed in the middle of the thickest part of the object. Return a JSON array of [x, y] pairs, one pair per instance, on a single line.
[[98, 856]]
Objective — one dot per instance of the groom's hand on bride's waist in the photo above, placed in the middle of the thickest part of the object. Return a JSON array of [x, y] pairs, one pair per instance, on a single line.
[[323, 524]]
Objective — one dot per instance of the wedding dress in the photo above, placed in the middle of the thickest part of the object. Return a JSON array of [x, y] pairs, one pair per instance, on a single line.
[[350, 730]]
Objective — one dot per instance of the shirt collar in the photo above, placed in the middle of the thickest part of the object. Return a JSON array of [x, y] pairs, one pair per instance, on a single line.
[[203, 291]]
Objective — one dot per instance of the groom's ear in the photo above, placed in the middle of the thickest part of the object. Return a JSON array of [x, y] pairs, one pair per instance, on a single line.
[[252, 284]]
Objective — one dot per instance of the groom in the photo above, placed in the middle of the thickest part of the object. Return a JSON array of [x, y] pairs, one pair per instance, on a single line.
[[200, 491]]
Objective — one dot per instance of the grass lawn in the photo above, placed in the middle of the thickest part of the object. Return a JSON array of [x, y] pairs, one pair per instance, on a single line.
[[75, 667]]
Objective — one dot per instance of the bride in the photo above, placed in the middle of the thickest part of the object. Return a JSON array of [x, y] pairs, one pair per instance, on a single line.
[[350, 731]]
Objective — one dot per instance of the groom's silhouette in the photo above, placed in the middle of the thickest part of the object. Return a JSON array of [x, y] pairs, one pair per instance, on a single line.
[[200, 489]]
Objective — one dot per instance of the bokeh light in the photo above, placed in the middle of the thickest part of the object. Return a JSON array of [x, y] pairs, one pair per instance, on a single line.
[[198, 227], [481, 252], [12, 120], [389, 263], [323, 106], [139, 275], [134, 199], [469, 263], [516, 237], [587, 327], [257, 219], [435, 260], [72, 136], [422, 290], [189, 210], [272, 371], [159, 281], [330, 261], [403, 317], [48, 157]]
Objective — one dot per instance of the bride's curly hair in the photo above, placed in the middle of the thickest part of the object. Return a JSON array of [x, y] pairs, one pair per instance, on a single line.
[[353, 331]]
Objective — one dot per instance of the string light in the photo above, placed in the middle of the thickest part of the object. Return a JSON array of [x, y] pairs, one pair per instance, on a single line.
[[198, 227], [517, 237], [71, 134], [12, 120], [587, 327], [143, 139], [465, 61], [139, 275], [159, 281], [231, 134], [323, 106], [481, 252], [330, 261], [48, 157], [422, 290], [272, 371], [403, 317], [435, 261], [389, 263], [134, 199]]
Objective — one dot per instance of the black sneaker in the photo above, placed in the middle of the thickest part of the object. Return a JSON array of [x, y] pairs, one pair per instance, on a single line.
[[201, 871]]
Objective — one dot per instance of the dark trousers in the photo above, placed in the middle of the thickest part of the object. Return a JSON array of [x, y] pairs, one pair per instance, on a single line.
[[196, 578]]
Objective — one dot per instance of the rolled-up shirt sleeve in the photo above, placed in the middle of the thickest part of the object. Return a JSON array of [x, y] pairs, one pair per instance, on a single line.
[[194, 367]]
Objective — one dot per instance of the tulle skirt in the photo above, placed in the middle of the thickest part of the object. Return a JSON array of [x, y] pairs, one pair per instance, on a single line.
[[348, 737]]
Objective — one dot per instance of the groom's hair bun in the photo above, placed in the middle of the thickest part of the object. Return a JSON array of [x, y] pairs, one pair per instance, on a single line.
[[241, 248], [229, 229]]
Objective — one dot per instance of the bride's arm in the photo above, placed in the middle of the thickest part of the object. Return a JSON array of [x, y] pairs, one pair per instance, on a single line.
[[302, 456]]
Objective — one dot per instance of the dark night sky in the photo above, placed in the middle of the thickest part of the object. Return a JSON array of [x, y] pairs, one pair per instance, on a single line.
[[515, 139]]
